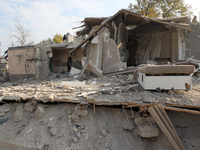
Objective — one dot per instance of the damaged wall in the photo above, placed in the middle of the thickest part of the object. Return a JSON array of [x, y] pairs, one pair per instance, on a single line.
[[105, 54], [160, 45], [111, 55], [21, 62], [42, 64]]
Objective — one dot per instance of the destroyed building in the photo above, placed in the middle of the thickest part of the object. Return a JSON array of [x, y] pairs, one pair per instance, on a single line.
[[112, 44], [129, 39]]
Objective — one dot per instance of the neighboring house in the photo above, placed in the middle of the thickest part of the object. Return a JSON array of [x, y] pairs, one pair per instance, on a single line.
[[38, 60], [129, 39]]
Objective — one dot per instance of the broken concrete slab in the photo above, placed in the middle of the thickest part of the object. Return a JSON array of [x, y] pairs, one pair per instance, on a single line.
[[74, 71], [74, 83], [147, 127], [148, 131]]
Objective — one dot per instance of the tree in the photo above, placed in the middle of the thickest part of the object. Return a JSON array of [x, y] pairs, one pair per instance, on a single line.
[[20, 36], [48, 41], [161, 8], [145, 8], [58, 38]]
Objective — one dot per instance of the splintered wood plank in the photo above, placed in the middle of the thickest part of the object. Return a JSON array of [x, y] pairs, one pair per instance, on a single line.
[[167, 125], [163, 128], [171, 125]]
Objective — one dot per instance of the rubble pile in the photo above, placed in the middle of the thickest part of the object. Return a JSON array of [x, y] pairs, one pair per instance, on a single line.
[[110, 90]]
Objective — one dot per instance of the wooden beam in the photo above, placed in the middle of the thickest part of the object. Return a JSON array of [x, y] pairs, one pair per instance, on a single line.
[[168, 126], [182, 110], [171, 125], [163, 128]]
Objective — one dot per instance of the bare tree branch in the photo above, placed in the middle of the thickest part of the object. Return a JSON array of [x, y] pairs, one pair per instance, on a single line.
[[21, 36]]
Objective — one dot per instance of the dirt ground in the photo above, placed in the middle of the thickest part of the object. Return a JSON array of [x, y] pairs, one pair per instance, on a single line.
[[55, 131]]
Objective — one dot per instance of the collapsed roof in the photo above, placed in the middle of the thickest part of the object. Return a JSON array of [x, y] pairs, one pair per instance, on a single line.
[[129, 19]]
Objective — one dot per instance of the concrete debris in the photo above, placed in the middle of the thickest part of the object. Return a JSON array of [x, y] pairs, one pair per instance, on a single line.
[[53, 131], [148, 131], [127, 125], [147, 127], [81, 111], [78, 135], [75, 140], [75, 117], [73, 83], [2, 120], [29, 107], [40, 112], [103, 132], [18, 115]]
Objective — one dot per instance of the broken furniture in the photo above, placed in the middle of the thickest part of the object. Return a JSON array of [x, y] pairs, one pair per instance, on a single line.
[[166, 77]]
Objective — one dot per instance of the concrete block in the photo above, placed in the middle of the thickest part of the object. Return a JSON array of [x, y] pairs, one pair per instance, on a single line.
[[148, 131], [40, 112], [127, 125], [103, 132], [29, 107], [75, 117], [53, 131], [73, 83], [81, 112]]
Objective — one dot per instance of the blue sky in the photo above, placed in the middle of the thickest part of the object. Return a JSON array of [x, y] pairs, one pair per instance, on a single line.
[[45, 18]]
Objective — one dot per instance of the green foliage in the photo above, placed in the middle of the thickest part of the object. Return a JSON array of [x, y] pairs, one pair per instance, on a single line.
[[48, 41], [58, 38], [161, 8]]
